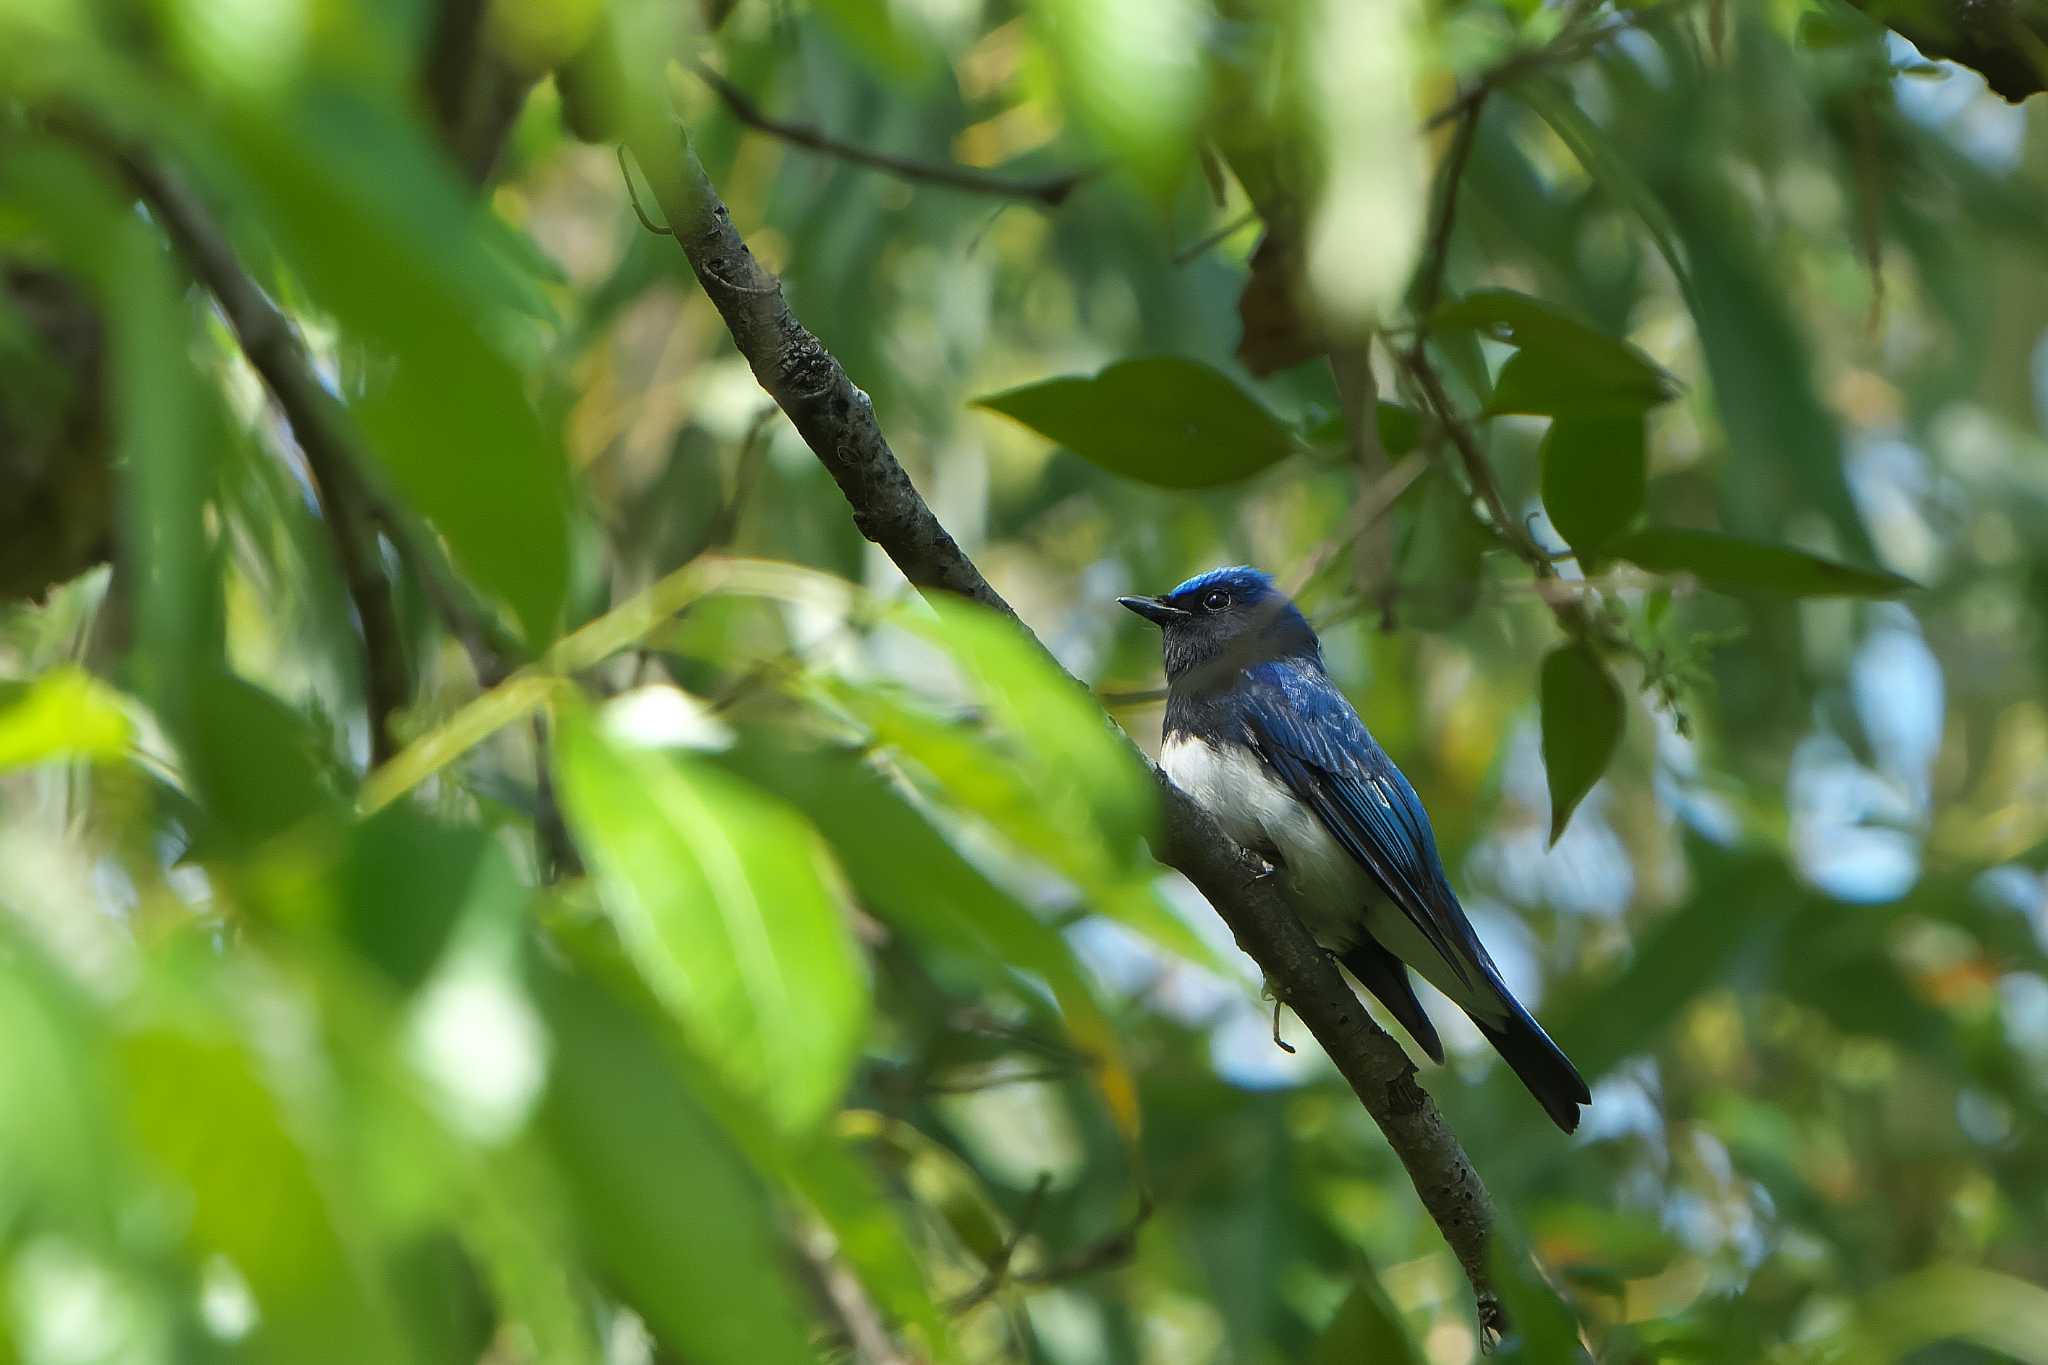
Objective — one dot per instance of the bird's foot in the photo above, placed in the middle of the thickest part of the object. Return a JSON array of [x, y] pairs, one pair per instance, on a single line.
[[1278, 1041], [1267, 992]]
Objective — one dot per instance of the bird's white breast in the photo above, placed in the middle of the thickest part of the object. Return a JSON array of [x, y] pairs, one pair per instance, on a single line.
[[1330, 890]]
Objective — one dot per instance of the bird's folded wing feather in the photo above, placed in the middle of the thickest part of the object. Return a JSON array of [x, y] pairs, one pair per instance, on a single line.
[[1315, 743]]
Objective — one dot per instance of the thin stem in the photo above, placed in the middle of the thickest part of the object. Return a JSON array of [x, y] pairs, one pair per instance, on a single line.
[[1050, 191]]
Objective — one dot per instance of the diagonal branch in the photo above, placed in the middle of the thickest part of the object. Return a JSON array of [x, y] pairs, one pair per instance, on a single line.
[[1050, 191], [276, 354], [838, 423]]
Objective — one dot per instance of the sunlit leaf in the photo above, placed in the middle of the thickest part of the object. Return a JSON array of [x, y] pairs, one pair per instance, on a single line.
[[909, 875], [731, 910], [1733, 564], [58, 1143], [1164, 420], [1582, 723], [1593, 476], [886, 36], [63, 714], [872, 1239], [201, 1108], [1132, 74], [986, 778]]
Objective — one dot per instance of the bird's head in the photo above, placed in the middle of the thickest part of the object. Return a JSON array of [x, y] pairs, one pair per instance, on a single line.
[[1225, 620]]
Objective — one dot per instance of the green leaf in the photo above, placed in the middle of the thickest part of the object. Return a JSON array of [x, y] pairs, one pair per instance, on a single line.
[[405, 883], [887, 37], [202, 1109], [1047, 771], [383, 237], [64, 714], [1079, 756], [1165, 420], [1554, 383], [1561, 365], [871, 1237], [2001, 1314], [1132, 73], [1442, 554], [1541, 1329], [168, 424], [731, 911], [258, 766], [676, 1218], [1733, 564], [1400, 431], [908, 874], [1582, 720], [1367, 1328], [1593, 475]]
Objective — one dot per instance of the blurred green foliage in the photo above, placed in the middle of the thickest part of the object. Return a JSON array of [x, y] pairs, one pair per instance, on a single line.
[[745, 961]]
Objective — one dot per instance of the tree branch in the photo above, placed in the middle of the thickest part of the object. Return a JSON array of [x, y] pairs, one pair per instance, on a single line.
[[2004, 41], [838, 423], [348, 495], [276, 354], [1049, 191]]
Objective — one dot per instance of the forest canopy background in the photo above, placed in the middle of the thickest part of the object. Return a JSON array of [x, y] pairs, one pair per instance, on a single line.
[[495, 865]]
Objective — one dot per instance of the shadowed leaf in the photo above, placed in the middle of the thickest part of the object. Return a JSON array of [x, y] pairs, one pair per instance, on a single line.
[[1582, 721], [1163, 420]]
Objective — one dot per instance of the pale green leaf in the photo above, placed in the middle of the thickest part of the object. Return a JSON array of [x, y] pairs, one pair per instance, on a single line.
[[63, 714], [730, 908]]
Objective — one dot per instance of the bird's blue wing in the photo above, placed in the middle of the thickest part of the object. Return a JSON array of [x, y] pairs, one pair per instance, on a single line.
[[1315, 743]]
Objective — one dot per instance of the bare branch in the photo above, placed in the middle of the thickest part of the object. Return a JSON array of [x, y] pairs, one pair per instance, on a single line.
[[1050, 191], [838, 423]]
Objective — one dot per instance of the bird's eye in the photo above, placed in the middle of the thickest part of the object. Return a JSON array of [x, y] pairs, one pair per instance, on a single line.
[[1215, 600]]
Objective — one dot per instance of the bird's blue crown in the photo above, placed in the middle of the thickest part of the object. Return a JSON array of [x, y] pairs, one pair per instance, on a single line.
[[1241, 581]]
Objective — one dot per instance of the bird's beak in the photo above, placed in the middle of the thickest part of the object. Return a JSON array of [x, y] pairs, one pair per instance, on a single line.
[[1152, 609]]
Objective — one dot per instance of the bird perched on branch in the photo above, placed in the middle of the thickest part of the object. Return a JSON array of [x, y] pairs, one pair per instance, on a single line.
[[1258, 735]]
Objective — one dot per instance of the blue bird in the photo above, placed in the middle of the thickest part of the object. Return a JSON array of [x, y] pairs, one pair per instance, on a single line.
[[1258, 735]]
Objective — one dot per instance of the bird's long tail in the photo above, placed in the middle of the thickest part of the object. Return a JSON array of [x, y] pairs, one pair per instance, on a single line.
[[1541, 1064]]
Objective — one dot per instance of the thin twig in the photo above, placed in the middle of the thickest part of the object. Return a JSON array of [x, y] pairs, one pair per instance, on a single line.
[[1429, 278], [1371, 506], [1000, 1079], [1565, 48], [1050, 191], [860, 1321], [1204, 244]]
